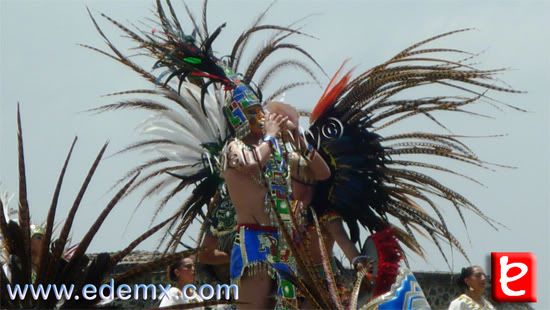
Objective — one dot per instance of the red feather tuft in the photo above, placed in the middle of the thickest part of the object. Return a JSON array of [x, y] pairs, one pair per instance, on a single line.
[[333, 90], [389, 256]]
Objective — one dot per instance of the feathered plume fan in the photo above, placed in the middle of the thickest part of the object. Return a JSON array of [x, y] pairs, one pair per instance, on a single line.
[[53, 267], [374, 176]]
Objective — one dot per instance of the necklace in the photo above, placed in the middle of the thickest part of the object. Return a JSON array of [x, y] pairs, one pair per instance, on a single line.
[[277, 177]]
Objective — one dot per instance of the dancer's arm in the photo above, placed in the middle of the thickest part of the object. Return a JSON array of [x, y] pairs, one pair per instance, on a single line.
[[336, 229], [209, 253], [318, 166], [316, 163], [248, 160]]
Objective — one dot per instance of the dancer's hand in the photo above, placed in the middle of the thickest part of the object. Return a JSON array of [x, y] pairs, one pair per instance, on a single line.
[[274, 123], [363, 263], [364, 266], [289, 125]]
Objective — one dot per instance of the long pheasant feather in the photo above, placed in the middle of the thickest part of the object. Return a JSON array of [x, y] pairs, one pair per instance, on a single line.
[[44, 257]]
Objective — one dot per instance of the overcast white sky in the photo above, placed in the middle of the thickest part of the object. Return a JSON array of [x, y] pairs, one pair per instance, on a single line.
[[42, 67]]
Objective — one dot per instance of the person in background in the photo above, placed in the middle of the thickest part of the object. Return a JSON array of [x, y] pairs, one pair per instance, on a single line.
[[472, 281], [181, 272], [37, 235]]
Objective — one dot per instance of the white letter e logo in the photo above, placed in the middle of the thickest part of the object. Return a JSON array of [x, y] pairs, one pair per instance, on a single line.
[[504, 279]]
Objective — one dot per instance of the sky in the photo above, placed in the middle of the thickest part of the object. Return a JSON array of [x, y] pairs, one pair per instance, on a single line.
[[55, 81]]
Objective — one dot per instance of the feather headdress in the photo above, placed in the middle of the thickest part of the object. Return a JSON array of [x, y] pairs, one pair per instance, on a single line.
[[188, 132], [376, 180]]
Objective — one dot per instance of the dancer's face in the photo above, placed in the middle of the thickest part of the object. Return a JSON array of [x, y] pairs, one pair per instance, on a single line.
[[477, 280], [256, 119]]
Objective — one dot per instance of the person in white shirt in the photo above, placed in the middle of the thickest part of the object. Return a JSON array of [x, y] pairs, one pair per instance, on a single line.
[[472, 281], [182, 273]]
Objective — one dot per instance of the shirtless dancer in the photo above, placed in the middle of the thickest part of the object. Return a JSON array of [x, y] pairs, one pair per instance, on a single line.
[[257, 238]]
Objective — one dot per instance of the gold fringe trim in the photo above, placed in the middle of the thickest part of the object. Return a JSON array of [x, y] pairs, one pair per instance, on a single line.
[[254, 269]]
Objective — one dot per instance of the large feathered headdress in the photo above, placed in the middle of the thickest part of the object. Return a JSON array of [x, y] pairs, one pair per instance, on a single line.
[[211, 102]]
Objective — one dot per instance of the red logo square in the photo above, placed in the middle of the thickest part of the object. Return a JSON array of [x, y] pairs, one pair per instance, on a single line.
[[513, 276]]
